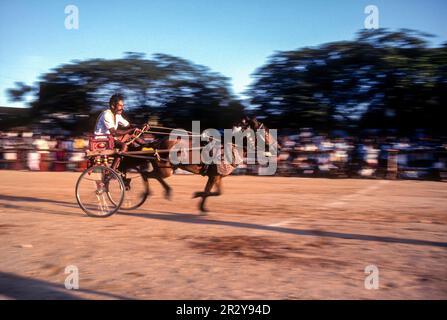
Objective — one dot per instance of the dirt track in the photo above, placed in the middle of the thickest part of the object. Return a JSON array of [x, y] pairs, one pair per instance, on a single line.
[[265, 238]]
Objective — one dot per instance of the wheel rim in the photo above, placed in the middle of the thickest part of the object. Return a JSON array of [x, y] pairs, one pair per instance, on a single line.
[[136, 190], [95, 189]]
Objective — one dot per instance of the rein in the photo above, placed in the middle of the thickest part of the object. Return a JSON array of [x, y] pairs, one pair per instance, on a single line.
[[145, 127]]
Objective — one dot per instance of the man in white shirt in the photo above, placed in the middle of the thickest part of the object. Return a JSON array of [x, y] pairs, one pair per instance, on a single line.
[[109, 121]]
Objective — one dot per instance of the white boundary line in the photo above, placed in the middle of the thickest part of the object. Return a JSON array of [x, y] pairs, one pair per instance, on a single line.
[[337, 203]]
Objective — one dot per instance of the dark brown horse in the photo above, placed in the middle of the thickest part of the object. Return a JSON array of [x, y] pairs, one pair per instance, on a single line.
[[164, 168]]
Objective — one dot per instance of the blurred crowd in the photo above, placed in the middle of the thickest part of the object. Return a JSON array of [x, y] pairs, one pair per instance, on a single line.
[[36, 152], [372, 155], [302, 153]]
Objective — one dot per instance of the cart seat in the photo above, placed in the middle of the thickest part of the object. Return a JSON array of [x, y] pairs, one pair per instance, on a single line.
[[101, 143]]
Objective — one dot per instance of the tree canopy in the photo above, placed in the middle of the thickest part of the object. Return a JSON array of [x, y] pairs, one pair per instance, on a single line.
[[171, 88], [382, 79]]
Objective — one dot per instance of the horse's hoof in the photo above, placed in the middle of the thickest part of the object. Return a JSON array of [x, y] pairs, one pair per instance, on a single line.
[[168, 195], [202, 208]]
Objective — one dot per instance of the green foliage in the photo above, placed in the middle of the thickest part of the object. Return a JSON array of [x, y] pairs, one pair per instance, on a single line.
[[382, 79], [174, 89]]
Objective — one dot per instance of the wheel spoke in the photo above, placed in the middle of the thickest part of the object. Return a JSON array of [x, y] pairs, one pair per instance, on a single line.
[[99, 191], [136, 190]]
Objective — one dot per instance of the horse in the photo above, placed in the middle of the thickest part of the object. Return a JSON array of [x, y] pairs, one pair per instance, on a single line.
[[164, 168]]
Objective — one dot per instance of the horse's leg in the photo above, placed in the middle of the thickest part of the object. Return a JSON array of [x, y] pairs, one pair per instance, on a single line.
[[144, 174], [166, 187], [156, 174], [212, 181], [204, 195], [218, 186], [217, 182]]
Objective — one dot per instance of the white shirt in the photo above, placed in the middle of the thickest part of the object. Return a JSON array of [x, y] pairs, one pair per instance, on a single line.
[[41, 144], [107, 120]]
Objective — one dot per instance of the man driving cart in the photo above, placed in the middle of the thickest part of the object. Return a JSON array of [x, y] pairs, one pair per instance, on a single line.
[[110, 121]]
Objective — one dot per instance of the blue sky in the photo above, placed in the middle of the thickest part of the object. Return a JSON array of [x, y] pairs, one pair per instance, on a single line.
[[231, 37]]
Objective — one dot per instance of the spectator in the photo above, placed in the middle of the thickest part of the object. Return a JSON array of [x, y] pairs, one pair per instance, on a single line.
[[42, 147]]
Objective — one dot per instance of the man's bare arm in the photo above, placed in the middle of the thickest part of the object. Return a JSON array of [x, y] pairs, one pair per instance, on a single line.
[[120, 132]]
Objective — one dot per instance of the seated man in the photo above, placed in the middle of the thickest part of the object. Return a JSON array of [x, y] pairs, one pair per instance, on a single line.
[[109, 120]]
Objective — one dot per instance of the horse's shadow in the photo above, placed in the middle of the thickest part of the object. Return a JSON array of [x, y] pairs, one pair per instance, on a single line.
[[9, 203], [34, 199], [195, 218], [204, 220]]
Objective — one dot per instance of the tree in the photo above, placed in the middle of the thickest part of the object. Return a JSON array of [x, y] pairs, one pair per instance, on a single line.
[[382, 79], [174, 89]]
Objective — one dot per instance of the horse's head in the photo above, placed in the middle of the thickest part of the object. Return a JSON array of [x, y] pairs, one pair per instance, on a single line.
[[256, 126]]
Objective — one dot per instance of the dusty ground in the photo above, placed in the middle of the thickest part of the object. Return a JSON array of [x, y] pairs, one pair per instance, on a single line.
[[266, 238]]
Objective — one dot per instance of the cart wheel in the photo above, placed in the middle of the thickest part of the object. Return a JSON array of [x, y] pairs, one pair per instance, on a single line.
[[136, 190], [96, 187]]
